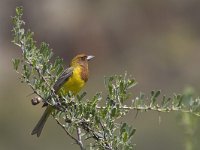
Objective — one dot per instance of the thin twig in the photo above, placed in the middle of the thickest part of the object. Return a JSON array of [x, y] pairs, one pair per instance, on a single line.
[[71, 136], [63, 127], [29, 83], [95, 135], [155, 108], [79, 138]]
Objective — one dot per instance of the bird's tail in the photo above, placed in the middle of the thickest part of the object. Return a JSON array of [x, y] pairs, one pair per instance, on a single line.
[[39, 126]]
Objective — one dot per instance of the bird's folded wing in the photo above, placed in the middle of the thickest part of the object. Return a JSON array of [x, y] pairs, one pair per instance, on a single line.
[[63, 78]]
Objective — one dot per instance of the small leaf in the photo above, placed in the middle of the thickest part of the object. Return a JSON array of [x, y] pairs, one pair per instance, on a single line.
[[44, 68], [110, 89], [142, 96], [180, 98], [132, 133], [125, 137], [154, 96], [16, 63], [152, 93], [113, 112], [165, 101], [121, 86], [157, 93], [19, 11], [81, 96], [123, 127], [131, 83]]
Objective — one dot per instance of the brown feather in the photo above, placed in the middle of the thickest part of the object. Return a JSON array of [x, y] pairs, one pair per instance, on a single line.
[[84, 73], [83, 62]]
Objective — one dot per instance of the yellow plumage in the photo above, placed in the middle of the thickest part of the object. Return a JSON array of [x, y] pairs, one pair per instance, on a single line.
[[74, 84]]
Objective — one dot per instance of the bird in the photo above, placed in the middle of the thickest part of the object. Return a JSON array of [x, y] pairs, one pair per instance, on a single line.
[[72, 79]]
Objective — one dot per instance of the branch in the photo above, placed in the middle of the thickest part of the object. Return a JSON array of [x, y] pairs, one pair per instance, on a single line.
[[22, 46], [156, 108], [76, 140], [79, 138]]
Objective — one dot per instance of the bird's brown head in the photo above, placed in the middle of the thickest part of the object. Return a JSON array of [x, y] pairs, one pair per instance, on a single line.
[[81, 60]]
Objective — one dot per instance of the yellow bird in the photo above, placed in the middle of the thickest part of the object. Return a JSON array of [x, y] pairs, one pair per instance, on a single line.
[[72, 79]]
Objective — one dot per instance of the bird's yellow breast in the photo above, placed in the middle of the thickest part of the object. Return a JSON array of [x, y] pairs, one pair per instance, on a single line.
[[74, 84]]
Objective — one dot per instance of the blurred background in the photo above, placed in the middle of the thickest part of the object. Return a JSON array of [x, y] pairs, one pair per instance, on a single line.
[[157, 42]]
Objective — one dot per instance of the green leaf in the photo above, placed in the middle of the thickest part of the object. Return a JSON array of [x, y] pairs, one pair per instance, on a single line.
[[19, 11], [16, 63], [81, 96], [157, 93], [121, 86], [180, 100], [142, 96], [152, 93], [125, 136], [45, 51], [123, 127], [110, 89], [58, 66], [26, 71], [113, 112], [165, 101], [154, 96], [131, 83], [132, 133]]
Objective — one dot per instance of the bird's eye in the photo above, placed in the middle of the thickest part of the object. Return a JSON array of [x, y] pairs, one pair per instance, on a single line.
[[83, 58]]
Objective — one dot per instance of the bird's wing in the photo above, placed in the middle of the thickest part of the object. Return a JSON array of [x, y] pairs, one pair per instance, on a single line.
[[63, 78]]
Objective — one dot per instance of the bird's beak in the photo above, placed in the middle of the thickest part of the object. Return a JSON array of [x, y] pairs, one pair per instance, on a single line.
[[90, 57]]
